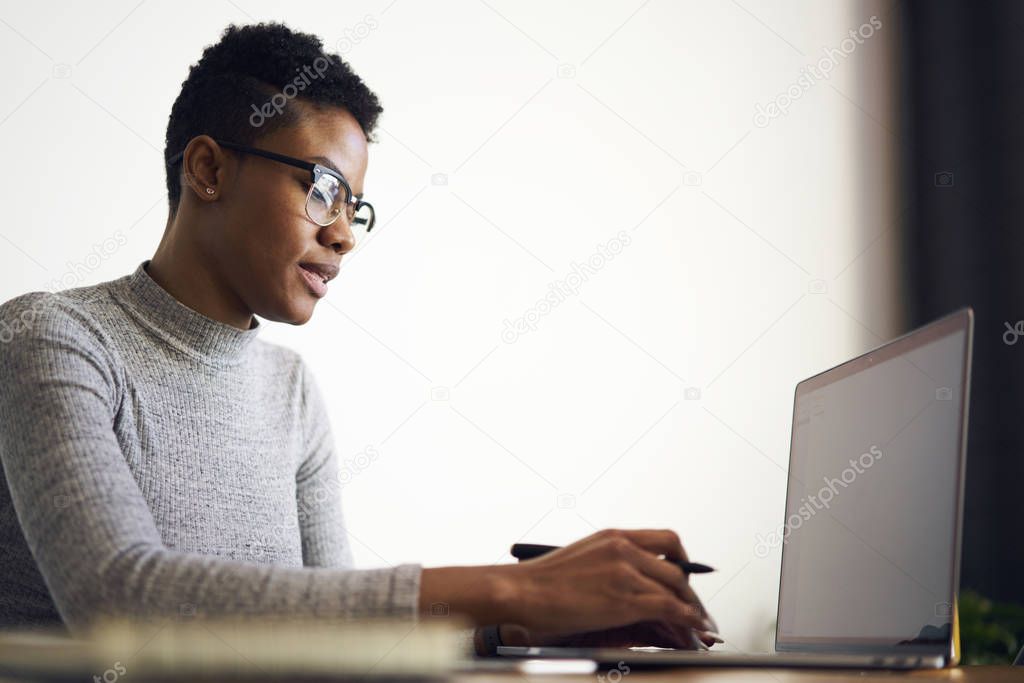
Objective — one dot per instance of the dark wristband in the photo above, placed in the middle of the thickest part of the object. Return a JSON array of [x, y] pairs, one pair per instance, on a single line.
[[490, 639]]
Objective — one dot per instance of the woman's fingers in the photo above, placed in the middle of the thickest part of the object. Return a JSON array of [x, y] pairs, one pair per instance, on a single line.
[[709, 638], [667, 573], [641, 547], [672, 577], [657, 541], [658, 603], [609, 580], [662, 634]]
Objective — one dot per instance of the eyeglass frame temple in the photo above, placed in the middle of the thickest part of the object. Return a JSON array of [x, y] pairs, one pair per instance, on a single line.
[[316, 170]]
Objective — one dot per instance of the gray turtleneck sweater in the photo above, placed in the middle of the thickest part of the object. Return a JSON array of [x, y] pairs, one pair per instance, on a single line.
[[159, 463]]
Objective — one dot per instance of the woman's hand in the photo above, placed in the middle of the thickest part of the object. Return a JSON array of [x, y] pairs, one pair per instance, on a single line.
[[609, 589], [643, 634]]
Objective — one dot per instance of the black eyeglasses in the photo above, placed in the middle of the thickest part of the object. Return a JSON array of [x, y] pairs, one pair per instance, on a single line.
[[329, 193]]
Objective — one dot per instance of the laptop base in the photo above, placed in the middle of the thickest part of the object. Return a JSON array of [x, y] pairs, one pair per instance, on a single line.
[[663, 658]]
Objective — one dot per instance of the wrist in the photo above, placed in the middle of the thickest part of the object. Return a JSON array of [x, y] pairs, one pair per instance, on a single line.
[[509, 592], [486, 595]]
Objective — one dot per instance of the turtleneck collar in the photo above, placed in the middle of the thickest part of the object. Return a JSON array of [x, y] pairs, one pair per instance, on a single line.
[[188, 330]]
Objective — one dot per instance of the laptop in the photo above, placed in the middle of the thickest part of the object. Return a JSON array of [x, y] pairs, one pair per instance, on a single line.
[[872, 529]]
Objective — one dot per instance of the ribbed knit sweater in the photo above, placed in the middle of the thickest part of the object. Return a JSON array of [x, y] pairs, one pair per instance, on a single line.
[[157, 462]]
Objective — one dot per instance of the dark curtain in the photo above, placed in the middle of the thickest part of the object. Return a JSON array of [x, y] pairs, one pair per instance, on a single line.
[[962, 181]]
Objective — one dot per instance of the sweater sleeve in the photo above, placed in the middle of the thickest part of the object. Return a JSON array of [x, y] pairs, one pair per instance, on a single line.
[[85, 520], [318, 485]]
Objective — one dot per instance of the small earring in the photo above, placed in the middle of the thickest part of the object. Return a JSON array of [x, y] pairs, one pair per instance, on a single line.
[[209, 190]]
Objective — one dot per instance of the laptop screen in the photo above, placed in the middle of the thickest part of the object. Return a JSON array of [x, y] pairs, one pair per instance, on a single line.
[[873, 507]]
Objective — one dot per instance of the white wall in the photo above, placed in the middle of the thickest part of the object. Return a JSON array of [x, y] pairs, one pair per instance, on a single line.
[[556, 125]]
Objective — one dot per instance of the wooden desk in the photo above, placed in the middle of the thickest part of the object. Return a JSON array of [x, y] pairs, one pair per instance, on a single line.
[[966, 674]]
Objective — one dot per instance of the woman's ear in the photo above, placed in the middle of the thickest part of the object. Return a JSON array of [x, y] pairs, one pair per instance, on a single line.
[[202, 167]]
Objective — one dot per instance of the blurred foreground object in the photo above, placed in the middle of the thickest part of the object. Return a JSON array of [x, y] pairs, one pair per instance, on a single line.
[[268, 648]]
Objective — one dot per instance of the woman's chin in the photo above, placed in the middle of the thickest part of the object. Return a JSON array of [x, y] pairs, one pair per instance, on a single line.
[[301, 313], [294, 311]]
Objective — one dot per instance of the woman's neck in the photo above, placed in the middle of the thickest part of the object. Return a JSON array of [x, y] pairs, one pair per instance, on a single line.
[[186, 275]]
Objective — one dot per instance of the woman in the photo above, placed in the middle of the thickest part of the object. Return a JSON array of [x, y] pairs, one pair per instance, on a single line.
[[159, 459]]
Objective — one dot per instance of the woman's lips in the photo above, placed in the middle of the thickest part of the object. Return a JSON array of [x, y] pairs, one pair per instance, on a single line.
[[315, 283]]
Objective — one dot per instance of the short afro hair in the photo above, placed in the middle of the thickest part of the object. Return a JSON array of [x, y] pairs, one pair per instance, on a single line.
[[239, 75]]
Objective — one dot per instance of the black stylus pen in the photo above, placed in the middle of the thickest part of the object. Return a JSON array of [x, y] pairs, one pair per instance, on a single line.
[[526, 551]]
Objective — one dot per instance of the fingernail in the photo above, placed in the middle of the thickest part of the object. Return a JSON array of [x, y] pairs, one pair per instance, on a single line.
[[714, 636]]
